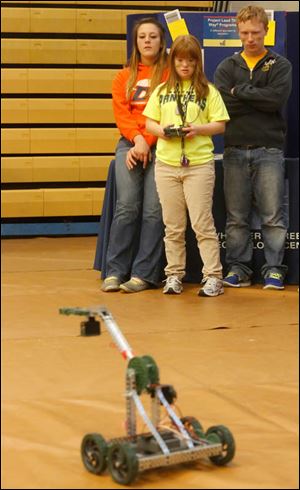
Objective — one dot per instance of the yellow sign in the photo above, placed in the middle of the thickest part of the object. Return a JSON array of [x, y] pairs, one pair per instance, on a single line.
[[270, 37], [178, 28]]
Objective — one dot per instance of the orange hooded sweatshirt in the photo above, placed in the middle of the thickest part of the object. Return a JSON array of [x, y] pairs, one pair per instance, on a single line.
[[128, 113]]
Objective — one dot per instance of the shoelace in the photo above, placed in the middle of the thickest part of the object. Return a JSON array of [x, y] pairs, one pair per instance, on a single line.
[[210, 281], [172, 281]]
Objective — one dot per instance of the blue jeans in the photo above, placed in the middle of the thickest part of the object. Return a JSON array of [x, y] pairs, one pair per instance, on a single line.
[[254, 178], [136, 236]]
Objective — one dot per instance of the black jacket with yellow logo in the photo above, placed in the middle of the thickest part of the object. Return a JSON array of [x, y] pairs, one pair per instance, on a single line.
[[256, 103]]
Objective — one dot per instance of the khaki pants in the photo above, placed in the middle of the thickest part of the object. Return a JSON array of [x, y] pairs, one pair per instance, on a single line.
[[179, 189]]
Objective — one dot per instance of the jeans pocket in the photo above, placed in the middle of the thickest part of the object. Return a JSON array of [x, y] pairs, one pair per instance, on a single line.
[[228, 150]]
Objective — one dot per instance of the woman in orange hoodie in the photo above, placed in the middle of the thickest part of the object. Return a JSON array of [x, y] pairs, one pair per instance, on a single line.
[[137, 206]]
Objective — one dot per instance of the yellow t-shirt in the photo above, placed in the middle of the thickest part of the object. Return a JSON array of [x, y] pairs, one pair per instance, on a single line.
[[252, 60], [162, 108]]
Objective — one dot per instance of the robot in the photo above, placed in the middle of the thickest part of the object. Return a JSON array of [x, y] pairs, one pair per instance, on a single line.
[[167, 441]]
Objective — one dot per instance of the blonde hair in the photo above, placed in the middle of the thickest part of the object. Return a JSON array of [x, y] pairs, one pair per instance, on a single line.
[[253, 12], [159, 64], [187, 46]]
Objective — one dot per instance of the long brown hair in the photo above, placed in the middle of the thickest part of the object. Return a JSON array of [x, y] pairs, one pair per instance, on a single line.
[[135, 58], [187, 46]]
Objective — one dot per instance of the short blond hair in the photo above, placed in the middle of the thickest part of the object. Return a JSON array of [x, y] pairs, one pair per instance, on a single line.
[[252, 12]]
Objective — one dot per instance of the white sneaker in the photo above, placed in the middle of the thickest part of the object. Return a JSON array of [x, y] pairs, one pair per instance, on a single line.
[[173, 285], [213, 286]]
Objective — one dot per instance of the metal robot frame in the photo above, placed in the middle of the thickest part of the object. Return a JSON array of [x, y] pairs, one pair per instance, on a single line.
[[182, 440]]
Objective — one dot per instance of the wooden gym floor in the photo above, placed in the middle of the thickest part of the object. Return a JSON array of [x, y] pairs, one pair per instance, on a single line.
[[233, 360]]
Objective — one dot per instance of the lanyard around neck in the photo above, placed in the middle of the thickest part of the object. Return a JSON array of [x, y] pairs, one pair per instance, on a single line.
[[182, 107]]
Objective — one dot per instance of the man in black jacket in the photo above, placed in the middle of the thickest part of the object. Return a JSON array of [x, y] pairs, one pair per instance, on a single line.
[[255, 85]]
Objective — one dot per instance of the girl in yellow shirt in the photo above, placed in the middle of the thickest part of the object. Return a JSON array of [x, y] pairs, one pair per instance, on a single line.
[[184, 113]]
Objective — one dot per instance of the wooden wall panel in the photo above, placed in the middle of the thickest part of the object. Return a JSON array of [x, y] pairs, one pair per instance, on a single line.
[[45, 111], [57, 80], [14, 111], [99, 21], [93, 111], [14, 80], [24, 203], [53, 51], [55, 169], [53, 140], [98, 198], [16, 169], [68, 202], [94, 80], [66, 51], [59, 140], [101, 51], [50, 111], [51, 80], [94, 168], [15, 19], [96, 140], [52, 20], [15, 140], [15, 50]]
